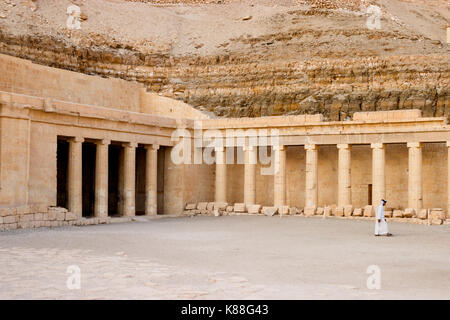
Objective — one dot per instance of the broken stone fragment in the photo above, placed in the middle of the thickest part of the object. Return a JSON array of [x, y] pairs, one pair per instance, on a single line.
[[348, 210], [202, 205], [422, 214], [320, 211], [269, 211], [397, 214], [369, 211], [191, 206], [310, 211], [409, 213], [254, 209], [437, 213], [239, 207], [339, 212], [358, 212], [284, 210], [293, 211]]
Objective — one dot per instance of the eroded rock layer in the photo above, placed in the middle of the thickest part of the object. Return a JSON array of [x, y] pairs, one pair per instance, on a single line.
[[242, 59]]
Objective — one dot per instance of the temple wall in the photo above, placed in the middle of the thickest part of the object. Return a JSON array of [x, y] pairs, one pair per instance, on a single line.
[[22, 76]]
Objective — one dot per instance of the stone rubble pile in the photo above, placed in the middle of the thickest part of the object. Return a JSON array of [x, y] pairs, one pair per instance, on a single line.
[[434, 216]]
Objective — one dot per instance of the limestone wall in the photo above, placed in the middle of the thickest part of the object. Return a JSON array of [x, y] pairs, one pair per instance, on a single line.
[[22, 76]]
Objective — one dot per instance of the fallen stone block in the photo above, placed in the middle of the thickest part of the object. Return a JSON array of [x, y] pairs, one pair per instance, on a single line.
[[309, 211], [339, 212], [293, 211], [369, 211], [409, 213], [437, 214], [348, 210], [70, 216], [327, 211], [210, 206], [60, 216], [422, 214], [217, 213], [222, 206], [397, 214], [239, 207], [388, 214], [230, 208], [358, 212], [191, 206], [254, 209], [320, 211], [284, 210], [269, 211], [437, 221], [202, 205]]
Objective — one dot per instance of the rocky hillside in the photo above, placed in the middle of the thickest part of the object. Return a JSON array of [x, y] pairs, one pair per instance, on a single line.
[[249, 58]]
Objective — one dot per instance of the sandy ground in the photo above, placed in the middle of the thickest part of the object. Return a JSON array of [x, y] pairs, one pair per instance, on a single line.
[[237, 257]]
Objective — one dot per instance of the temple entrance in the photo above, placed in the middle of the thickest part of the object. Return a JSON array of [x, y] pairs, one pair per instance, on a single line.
[[114, 155], [140, 180], [88, 168], [62, 161], [369, 195], [160, 187]]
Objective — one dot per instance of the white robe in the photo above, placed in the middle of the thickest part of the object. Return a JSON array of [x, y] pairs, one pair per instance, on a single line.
[[381, 228]]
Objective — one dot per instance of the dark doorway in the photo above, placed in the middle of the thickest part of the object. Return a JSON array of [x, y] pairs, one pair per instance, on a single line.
[[140, 180], [369, 196], [160, 187], [89, 154], [62, 161], [114, 154]]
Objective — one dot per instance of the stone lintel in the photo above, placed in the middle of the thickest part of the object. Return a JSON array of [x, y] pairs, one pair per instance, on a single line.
[[414, 144], [377, 145]]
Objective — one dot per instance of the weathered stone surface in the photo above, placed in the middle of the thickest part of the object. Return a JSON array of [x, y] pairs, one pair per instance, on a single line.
[[397, 213], [358, 212], [320, 211], [369, 211], [328, 211], [309, 211], [293, 211], [348, 210], [10, 219], [339, 212], [437, 214], [210, 206], [70, 216], [222, 206], [422, 214], [7, 211], [388, 214], [284, 210], [202, 205], [409, 213], [230, 208], [191, 206], [254, 209], [26, 217], [437, 221], [239, 207], [269, 211]]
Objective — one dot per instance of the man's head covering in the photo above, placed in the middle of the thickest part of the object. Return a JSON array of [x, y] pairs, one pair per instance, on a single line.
[[383, 201]]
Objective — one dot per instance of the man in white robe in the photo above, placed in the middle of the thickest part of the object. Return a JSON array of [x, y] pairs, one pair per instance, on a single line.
[[381, 227]]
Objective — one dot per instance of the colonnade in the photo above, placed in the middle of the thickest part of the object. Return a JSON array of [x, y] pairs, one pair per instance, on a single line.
[[75, 199], [415, 176]]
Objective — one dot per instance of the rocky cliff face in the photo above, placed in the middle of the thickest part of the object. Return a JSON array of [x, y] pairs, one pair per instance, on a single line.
[[244, 59]]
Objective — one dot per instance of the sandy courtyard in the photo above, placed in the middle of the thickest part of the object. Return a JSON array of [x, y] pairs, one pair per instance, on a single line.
[[234, 257]]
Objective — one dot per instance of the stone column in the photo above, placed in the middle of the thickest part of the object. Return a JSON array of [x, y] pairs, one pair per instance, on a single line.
[[415, 199], [101, 179], [151, 180], [129, 179], [75, 176], [221, 175], [378, 173], [279, 194], [250, 175], [448, 180], [311, 192], [344, 175]]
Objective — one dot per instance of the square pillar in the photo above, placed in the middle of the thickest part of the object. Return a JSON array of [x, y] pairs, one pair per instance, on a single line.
[[415, 198], [279, 194], [378, 173], [151, 180], [129, 179], [344, 175], [75, 176], [221, 176], [101, 179], [250, 175], [311, 192]]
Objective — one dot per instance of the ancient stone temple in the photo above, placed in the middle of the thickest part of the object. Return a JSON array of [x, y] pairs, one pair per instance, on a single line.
[[80, 149]]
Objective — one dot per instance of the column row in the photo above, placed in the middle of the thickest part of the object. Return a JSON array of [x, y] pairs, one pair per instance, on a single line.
[[415, 193], [128, 178]]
